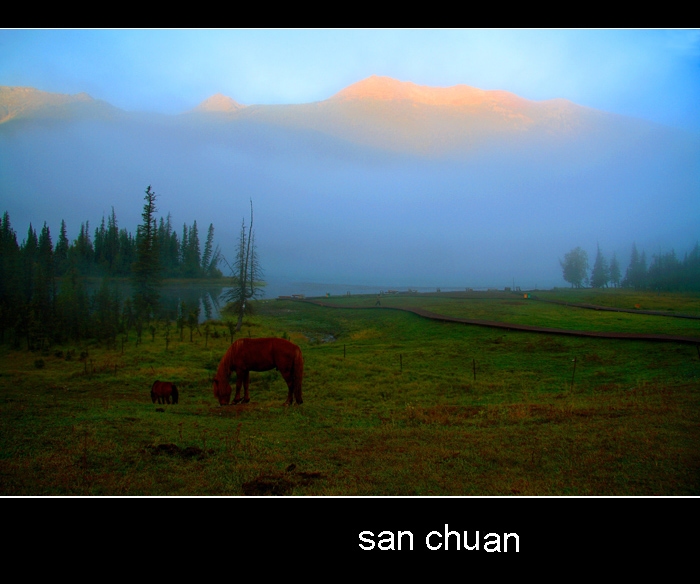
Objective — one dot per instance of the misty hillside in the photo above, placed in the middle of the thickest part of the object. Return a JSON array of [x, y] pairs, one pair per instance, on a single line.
[[26, 103], [385, 182]]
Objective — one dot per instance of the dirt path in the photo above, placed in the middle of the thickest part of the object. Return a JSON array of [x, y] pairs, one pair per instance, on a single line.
[[521, 327]]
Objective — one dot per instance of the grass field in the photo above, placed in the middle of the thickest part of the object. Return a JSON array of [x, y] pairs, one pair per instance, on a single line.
[[394, 404]]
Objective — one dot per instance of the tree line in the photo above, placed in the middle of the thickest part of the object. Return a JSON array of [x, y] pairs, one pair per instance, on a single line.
[[111, 251], [664, 272], [35, 308]]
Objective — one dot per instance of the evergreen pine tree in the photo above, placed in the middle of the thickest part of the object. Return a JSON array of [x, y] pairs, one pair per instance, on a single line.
[[600, 275], [146, 269], [61, 251], [211, 257], [111, 252], [30, 249], [184, 247], [127, 255], [664, 272], [10, 272], [99, 245], [615, 271], [83, 250], [635, 276], [208, 248], [193, 258], [47, 269], [169, 248], [643, 271]]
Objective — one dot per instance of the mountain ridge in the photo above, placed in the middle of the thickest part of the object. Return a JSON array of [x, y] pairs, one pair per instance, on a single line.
[[23, 100], [376, 112], [401, 116]]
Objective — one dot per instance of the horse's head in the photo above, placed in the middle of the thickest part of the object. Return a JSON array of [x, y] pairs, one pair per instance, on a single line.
[[222, 391], [154, 397], [222, 386], [175, 395]]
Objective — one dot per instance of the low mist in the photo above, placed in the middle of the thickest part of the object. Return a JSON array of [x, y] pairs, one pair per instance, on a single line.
[[327, 210]]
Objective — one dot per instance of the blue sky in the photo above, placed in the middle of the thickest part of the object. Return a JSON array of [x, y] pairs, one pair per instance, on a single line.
[[652, 74]]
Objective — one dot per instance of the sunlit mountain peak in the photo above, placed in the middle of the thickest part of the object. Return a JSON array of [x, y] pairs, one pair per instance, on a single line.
[[388, 89], [218, 103]]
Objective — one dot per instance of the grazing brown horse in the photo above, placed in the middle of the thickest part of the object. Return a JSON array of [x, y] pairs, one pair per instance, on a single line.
[[163, 391], [246, 355]]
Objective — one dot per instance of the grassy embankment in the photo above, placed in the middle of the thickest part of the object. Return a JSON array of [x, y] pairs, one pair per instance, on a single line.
[[394, 404]]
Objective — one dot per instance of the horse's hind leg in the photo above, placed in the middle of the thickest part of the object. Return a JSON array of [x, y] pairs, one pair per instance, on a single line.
[[290, 395], [290, 384]]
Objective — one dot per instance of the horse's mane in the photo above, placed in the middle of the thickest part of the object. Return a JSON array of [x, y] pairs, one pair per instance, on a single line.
[[226, 363]]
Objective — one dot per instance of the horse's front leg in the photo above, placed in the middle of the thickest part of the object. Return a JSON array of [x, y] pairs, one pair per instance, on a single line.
[[239, 381], [246, 384]]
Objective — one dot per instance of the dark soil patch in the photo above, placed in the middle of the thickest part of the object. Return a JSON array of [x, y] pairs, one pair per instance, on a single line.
[[277, 484]]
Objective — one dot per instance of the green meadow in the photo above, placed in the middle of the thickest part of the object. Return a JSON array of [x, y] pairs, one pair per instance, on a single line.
[[394, 404]]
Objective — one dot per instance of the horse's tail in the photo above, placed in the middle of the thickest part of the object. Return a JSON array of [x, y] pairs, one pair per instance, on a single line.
[[298, 374], [154, 397], [175, 394]]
